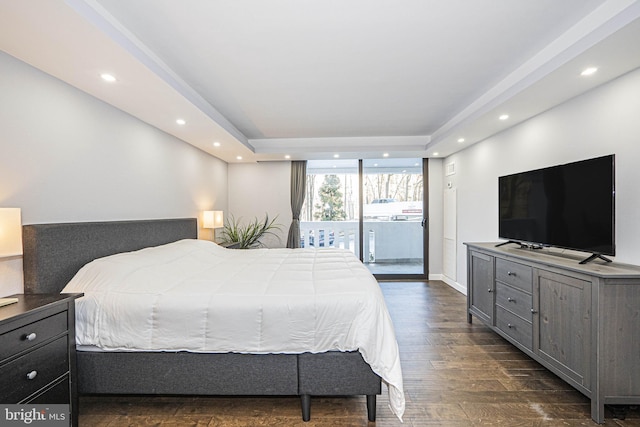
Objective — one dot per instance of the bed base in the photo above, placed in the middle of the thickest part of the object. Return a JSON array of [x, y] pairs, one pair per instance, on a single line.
[[53, 253], [229, 374]]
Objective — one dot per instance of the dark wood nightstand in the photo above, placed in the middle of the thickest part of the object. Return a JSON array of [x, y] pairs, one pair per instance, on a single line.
[[37, 351], [230, 245]]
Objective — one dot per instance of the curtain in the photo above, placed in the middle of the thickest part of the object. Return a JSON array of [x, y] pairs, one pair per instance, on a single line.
[[298, 187]]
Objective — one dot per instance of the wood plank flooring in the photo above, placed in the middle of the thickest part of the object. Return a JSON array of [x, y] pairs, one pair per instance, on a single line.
[[455, 375]]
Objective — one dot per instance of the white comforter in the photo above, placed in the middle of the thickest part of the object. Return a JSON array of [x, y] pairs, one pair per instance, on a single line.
[[194, 295]]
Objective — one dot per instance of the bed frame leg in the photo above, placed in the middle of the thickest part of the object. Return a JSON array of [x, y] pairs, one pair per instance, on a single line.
[[371, 407], [305, 400]]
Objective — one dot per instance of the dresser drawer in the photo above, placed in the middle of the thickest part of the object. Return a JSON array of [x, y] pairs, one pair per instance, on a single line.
[[515, 327], [48, 363], [515, 301], [514, 274], [27, 336]]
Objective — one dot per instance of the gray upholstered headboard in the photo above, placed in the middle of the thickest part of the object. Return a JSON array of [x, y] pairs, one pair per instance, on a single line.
[[53, 253]]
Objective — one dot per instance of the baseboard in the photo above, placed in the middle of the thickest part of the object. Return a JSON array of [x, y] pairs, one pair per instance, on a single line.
[[455, 285]]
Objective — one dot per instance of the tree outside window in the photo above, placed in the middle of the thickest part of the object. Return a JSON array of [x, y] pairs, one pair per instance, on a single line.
[[331, 205]]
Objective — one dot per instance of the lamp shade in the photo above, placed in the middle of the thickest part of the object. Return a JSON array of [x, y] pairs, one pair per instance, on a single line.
[[212, 219], [10, 232]]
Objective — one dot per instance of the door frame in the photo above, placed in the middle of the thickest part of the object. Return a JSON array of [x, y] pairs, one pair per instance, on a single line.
[[425, 228]]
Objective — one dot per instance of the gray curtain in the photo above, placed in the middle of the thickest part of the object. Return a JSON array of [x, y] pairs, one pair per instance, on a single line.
[[298, 187]]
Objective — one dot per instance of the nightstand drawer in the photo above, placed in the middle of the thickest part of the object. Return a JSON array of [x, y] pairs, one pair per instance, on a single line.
[[27, 336], [59, 393], [44, 364]]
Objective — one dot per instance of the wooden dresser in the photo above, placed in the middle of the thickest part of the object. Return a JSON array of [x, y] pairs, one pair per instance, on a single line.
[[582, 322], [37, 351]]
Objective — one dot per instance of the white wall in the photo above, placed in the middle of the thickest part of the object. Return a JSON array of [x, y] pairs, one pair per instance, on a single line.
[[256, 189], [603, 121], [66, 156]]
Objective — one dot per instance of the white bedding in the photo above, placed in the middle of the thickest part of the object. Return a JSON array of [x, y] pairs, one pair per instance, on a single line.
[[194, 295]]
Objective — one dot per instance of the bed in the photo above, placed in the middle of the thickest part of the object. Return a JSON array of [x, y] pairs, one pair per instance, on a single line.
[[53, 255]]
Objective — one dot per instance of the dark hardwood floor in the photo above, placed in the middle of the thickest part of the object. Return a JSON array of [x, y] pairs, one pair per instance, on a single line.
[[455, 374]]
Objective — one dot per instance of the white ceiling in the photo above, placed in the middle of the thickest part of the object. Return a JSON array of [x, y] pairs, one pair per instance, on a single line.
[[312, 79]]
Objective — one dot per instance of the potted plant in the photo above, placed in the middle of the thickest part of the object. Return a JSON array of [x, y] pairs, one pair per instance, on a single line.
[[248, 236]]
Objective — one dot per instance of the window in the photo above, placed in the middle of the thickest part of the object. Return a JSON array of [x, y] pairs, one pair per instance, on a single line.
[[330, 213]]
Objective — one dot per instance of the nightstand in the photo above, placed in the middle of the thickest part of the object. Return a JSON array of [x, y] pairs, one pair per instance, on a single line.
[[37, 351], [230, 245]]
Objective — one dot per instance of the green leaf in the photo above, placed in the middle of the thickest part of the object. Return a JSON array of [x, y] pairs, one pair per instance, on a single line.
[[249, 235]]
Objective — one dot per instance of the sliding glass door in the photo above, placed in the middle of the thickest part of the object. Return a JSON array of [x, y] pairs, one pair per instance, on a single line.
[[393, 213], [374, 208]]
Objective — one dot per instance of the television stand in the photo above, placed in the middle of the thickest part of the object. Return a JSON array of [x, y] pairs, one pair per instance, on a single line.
[[595, 256], [579, 321]]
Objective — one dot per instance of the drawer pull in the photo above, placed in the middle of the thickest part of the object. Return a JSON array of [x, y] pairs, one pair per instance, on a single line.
[[509, 326], [511, 299], [489, 290], [534, 311], [31, 375], [32, 336], [511, 273]]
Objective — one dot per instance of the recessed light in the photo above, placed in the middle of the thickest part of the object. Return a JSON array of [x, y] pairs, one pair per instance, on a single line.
[[238, 157], [504, 117], [385, 155], [181, 122], [461, 140], [588, 71], [286, 156], [216, 144], [335, 156], [435, 153], [108, 77]]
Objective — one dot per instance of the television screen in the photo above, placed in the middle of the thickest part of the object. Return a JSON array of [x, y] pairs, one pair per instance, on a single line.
[[568, 206]]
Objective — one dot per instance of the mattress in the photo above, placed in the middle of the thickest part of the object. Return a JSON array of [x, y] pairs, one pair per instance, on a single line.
[[193, 295]]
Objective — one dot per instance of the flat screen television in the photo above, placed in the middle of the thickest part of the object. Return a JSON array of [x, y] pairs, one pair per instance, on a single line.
[[568, 206]]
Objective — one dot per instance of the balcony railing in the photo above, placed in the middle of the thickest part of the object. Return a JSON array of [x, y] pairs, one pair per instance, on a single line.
[[338, 234], [384, 241]]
